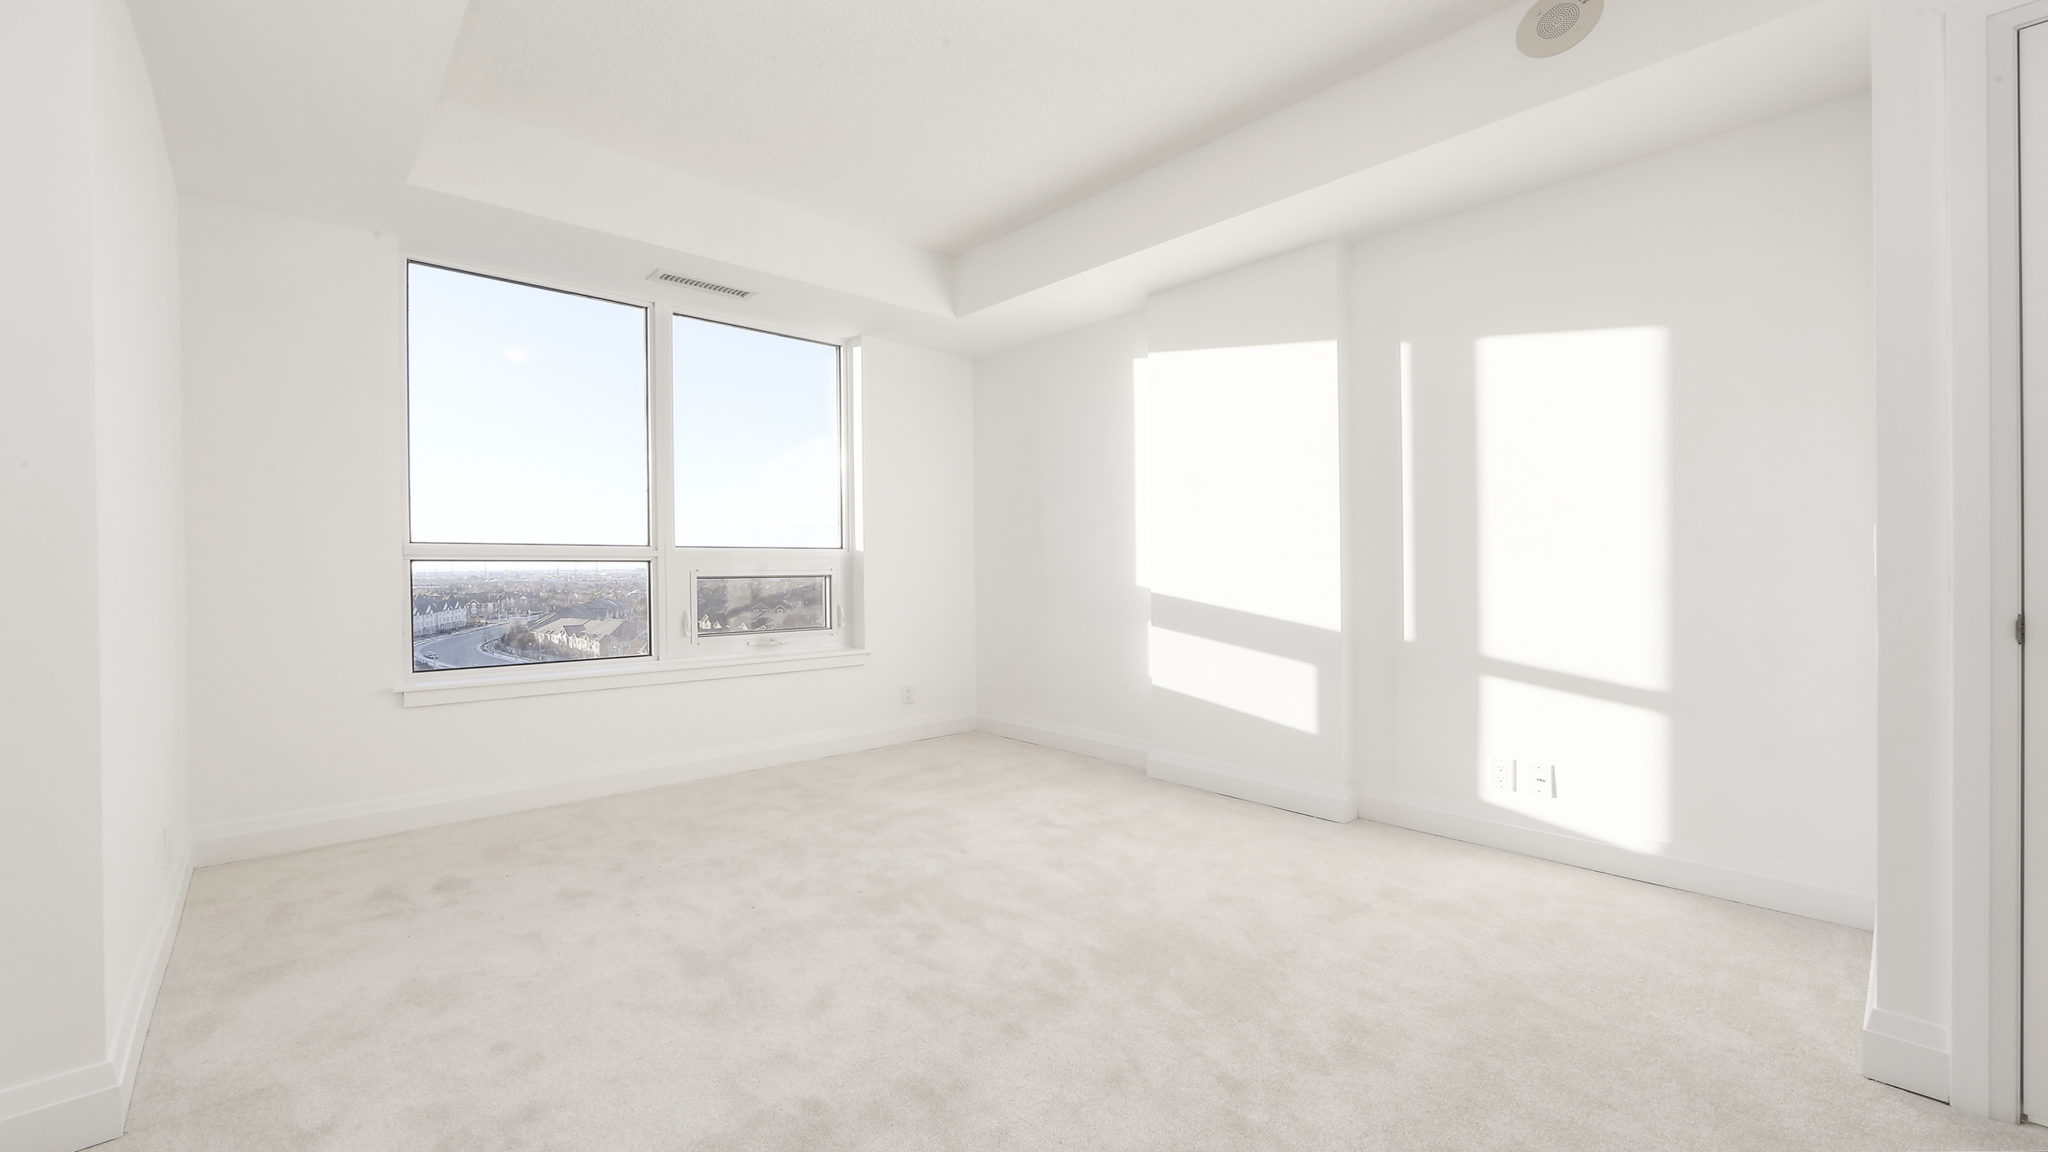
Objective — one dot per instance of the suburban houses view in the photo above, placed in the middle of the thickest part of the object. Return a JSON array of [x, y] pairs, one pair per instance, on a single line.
[[482, 614]]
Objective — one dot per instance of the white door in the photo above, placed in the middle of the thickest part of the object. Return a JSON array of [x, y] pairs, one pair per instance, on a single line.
[[2034, 430]]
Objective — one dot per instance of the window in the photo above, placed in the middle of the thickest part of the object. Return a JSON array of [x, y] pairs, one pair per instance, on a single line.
[[529, 414], [485, 613], [757, 438], [554, 519], [729, 604]]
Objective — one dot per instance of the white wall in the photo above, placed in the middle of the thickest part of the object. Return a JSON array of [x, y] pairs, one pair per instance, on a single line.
[[1736, 692], [1909, 999], [1942, 1018], [294, 355], [139, 474], [52, 992], [92, 797], [1643, 498], [1062, 616], [1241, 533]]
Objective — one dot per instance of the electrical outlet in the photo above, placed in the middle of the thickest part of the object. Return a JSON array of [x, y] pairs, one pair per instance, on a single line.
[[1503, 776], [1543, 781], [909, 696]]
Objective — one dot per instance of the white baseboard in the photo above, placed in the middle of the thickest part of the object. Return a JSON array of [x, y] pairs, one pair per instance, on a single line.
[[318, 827], [1066, 738], [1229, 780], [1906, 1053], [1424, 815], [89, 1105], [1173, 768], [66, 1112], [140, 1004]]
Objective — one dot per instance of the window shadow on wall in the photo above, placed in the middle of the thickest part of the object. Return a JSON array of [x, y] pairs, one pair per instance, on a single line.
[[1240, 540], [1573, 486]]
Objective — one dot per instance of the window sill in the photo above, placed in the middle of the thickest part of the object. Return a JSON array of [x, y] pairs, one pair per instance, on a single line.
[[427, 688]]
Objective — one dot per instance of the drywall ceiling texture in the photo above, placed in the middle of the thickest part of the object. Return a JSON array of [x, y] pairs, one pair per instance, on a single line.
[[979, 114], [1461, 121], [314, 109], [964, 177]]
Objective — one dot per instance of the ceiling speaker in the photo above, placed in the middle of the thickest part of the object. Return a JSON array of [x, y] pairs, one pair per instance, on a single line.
[[1555, 25]]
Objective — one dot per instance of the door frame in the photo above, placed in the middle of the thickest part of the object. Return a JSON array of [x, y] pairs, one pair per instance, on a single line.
[[1982, 49]]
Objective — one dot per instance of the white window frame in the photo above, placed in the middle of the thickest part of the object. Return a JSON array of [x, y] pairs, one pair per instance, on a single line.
[[677, 653]]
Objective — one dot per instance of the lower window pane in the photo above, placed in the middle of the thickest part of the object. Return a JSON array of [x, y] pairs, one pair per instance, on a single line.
[[481, 614], [729, 605]]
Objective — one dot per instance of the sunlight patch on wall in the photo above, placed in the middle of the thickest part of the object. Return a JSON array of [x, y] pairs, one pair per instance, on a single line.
[[1575, 503], [1238, 483], [1612, 761], [1141, 467], [1407, 491], [1273, 688]]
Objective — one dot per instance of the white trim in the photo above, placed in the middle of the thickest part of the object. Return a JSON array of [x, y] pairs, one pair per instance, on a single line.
[[425, 688], [89, 1105], [674, 651], [695, 565], [1426, 815], [313, 828], [140, 1004], [1980, 1059], [568, 553], [1068, 738], [1230, 780], [1422, 815], [66, 1112], [1906, 1053]]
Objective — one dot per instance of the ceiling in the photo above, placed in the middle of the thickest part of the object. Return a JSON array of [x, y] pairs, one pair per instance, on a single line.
[[960, 174], [939, 123]]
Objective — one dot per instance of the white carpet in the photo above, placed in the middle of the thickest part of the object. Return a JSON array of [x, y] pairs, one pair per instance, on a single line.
[[971, 943]]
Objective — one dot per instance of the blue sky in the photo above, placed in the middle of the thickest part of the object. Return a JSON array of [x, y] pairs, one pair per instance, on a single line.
[[528, 410], [528, 413], [757, 438]]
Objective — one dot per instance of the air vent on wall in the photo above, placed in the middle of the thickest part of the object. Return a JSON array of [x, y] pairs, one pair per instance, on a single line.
[[1555, 25], [699, 285]]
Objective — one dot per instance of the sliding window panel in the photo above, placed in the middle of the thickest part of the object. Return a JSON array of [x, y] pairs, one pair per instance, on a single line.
[[495, 613], [528, 413]]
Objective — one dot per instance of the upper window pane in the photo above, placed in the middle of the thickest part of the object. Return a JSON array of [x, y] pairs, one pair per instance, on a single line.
[[757, 438], [529, 413]]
